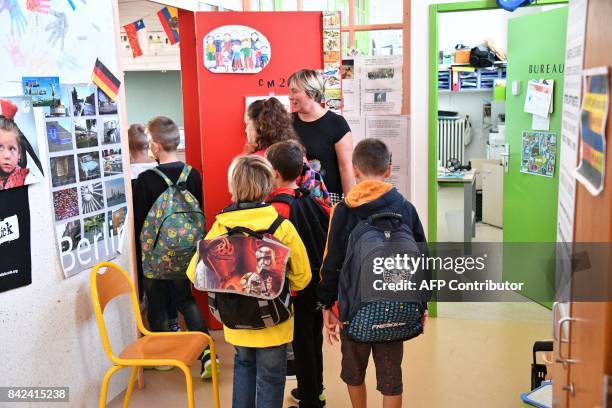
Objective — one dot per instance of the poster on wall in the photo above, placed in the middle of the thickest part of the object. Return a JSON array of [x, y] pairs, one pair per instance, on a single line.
[[381, 85], [86, 173], [593, 118], [19, 164], [43, 37], [236, 49], [350, 88], [332, 61], [15, 256], [393, 130], [539, 153]]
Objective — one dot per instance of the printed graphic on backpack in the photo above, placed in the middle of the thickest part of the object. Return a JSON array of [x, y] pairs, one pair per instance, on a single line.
[[171, 230]]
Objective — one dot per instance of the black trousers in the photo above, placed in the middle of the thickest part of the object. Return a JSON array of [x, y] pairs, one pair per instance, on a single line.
[[160, 291], [308, 346]]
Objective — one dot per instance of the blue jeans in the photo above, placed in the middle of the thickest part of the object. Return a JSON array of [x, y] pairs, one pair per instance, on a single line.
[[259, 377]]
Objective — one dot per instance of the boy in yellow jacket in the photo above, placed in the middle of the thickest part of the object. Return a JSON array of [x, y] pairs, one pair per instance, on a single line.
[[260, 361]]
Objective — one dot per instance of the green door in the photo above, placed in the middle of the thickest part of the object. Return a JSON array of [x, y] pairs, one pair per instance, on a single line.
[[536, 50]]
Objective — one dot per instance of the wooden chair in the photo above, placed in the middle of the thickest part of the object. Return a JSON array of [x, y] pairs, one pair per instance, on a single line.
[[178, 349]]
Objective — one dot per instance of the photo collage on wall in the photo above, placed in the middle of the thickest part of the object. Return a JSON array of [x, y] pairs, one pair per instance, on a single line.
[[86, 177], [332, 61]]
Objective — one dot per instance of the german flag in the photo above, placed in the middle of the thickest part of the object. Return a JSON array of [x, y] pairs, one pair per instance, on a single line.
[[105, 80]]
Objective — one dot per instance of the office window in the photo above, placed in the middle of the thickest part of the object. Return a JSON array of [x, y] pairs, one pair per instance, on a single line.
[[378, 11], [379, 42]]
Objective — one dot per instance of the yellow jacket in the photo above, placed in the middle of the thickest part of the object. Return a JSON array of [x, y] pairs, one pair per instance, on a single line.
[[259, 219]]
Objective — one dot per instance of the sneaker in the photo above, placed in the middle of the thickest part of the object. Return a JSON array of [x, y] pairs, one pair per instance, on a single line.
[[295, 396], [174, 327], [206, 368], [291, 370]]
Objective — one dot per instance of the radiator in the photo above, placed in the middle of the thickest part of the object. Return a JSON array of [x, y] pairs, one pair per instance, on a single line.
[[451, 140]]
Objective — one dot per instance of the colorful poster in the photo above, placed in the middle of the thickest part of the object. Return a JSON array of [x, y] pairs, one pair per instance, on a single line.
[[46, 92], [332, 60], [539, 153], [590, 171], [236, 49], [15, 258], [86, 178], [19, 155]]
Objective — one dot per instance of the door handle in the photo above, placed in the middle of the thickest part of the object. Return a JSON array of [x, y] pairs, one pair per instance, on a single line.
[[571, 388], [560, 326]]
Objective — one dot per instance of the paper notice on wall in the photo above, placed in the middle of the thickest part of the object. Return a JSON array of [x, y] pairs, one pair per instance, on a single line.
[[381, 85], [539, 96], [540, 122], [351, 91], [393, 130], [358, 131], [591, 170]]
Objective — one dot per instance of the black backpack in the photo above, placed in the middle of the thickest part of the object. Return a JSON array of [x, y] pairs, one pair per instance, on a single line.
[[311, 222], [371, 310], [482, 57], [240, 295]]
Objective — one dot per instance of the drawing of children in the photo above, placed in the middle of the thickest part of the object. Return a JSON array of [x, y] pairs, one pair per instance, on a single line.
[[247, 55], [254, 41], [265, 58], [237, 58], [218, 50], [210, 52]]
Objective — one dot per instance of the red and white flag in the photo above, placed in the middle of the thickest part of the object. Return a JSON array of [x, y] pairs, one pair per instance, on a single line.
[[131, 30]]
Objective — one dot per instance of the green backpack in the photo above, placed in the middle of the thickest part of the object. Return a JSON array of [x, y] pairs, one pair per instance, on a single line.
[[174, 225]]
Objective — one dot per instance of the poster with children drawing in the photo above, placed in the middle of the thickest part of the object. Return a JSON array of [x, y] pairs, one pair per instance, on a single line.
[[236, 49], [19, 156]]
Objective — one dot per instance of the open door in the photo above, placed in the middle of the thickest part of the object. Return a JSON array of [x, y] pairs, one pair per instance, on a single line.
[[536, 50]]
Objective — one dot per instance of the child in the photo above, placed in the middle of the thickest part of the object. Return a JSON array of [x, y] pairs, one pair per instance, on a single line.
[[13, 171], [139, 162], [287, 160], [260, 361], [148, 187], [372, 195]]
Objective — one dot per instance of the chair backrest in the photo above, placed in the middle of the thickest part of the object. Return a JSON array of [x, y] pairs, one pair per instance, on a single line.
[[108, 280]]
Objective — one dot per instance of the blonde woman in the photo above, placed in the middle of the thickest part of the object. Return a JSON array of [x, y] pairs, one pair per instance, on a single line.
[[326, 135]]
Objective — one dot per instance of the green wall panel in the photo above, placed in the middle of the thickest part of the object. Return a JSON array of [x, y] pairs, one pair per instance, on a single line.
[[536, 50], [153, 93]]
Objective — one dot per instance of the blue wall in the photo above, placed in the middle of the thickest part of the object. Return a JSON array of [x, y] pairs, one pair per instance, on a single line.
[[153, 93]]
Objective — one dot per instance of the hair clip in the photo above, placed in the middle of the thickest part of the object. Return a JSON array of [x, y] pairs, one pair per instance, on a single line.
[[7, 108]]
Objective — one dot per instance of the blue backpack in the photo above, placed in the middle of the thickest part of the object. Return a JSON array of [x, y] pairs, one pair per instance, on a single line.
[[512, 5], [371, 311]]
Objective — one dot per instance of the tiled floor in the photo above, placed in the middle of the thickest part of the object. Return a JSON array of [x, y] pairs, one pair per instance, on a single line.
[[472, 355]]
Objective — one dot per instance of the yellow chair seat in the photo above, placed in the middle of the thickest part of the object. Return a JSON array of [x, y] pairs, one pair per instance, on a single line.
[[185, 348]]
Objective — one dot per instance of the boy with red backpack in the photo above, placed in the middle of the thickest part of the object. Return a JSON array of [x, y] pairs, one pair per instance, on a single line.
[[310, 216]]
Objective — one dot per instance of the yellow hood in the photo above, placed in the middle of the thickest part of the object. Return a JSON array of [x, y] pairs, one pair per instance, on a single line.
[[256, 219]]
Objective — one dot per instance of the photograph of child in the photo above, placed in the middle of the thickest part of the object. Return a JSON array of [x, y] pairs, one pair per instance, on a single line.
[[19, 156]]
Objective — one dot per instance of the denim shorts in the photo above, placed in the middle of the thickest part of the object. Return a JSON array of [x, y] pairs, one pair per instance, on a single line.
[[387, 360]]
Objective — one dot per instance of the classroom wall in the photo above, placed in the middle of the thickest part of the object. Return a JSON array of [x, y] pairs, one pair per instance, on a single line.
[[144, 101], [48, 333]]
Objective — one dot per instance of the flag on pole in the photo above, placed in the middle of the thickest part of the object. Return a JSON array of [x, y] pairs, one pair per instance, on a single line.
[[105, 80], [131, 30], [168, 16]]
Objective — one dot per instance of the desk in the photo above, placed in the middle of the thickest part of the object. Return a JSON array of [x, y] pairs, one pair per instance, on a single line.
[[469, 199]]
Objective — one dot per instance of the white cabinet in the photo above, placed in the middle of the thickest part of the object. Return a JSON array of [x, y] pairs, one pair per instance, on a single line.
[[492, 194]]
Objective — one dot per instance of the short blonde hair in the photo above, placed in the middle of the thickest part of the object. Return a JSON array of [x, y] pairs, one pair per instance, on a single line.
[[250, 179], [310, 81], [164, 132]]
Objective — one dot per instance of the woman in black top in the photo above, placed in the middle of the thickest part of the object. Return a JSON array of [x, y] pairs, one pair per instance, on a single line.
[[326, 135]]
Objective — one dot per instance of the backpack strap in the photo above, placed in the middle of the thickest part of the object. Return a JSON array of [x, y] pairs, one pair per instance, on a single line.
[[274, 226], [162, 175], [282, 198], [184, 174]]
